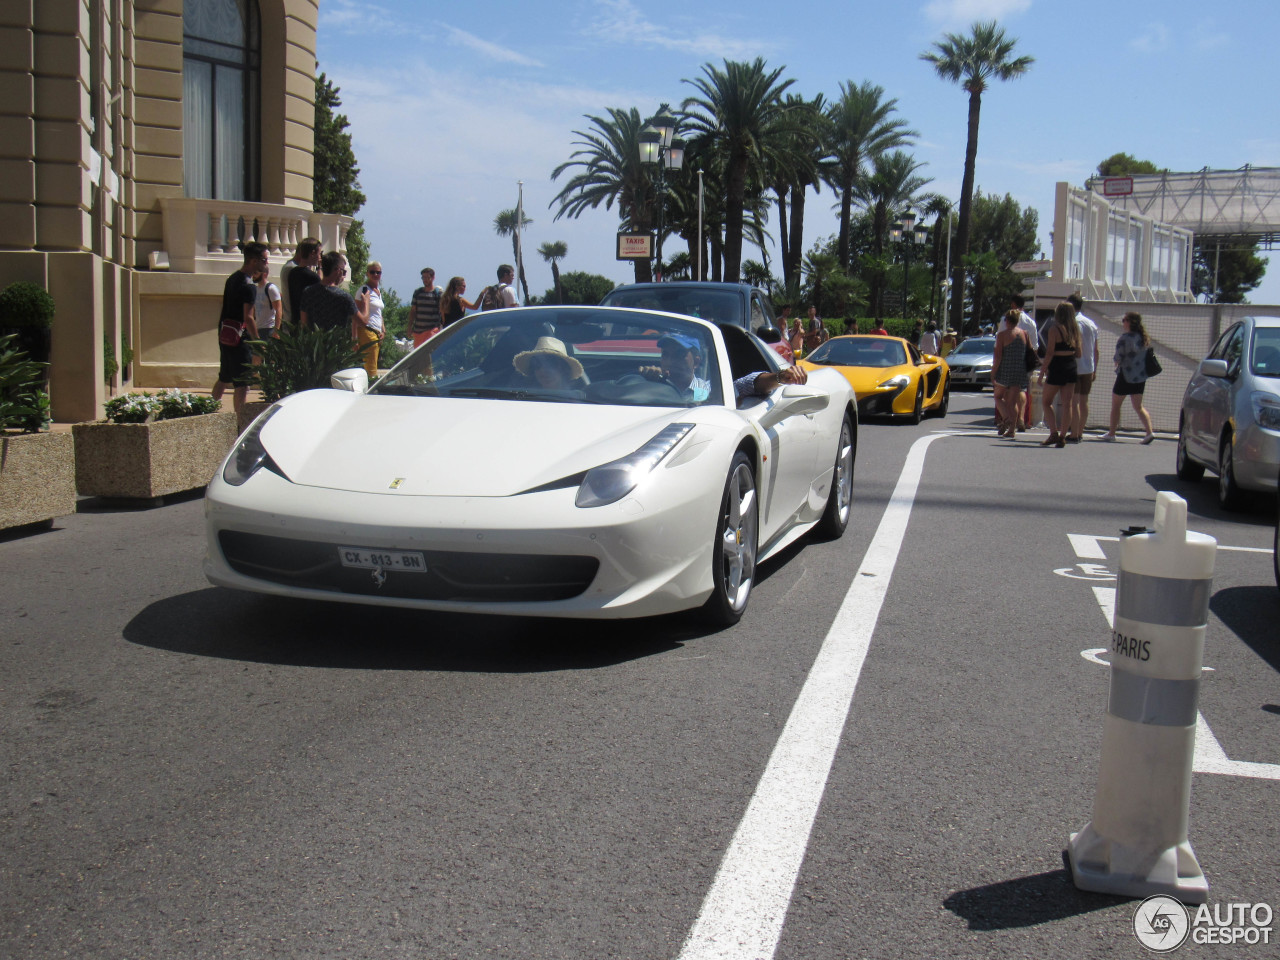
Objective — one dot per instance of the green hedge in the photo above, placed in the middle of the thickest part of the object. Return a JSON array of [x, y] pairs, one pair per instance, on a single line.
[[24, 304]]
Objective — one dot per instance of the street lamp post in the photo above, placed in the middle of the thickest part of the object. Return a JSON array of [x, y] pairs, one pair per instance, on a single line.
[[660, 146], [907, 229]]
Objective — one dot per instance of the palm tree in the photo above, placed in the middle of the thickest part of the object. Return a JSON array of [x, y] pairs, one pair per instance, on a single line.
[[861, 128], [742, 112], [504, 225], [972, 62], [891, 186], [805, 162], [553, 251], [608, 171]]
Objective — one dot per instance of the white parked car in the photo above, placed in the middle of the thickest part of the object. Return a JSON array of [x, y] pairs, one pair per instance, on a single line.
[[1230, 420], [469, 479]]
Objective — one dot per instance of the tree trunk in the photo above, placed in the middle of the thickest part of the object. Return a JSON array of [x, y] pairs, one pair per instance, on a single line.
[[555, 276], [966, 204], [735, 198], [846, 207], [791, 268], [784, 230], [717, 250]]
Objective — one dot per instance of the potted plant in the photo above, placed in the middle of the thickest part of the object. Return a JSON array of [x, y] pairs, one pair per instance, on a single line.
[[151, 446], [26, 311], [295, 361], [37, 469]]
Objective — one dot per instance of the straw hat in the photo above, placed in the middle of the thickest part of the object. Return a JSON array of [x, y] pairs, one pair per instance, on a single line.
[[547, 347]]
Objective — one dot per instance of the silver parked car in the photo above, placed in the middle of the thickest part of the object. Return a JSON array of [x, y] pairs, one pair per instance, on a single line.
[[970, 362], [1230, 420]]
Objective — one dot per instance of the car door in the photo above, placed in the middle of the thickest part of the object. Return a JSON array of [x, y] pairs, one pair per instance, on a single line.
[[789, 447], [930, 372], [1207, 404]]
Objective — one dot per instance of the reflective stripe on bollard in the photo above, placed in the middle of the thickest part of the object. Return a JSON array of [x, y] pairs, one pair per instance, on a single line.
[[1136, 845]]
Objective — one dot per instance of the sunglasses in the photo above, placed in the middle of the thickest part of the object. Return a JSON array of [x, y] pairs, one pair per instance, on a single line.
[[375, 273]]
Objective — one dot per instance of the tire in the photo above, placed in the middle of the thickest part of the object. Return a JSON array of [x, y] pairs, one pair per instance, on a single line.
[[835, 517], [1187, 468], [733, 552], [1275, 552], [940, 411], [1230, 496], [918, 413]]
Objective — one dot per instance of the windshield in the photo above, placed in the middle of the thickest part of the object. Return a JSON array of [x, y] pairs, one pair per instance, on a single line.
[[1266, 352], [564, 355], [982, 345], [860, 352], [718, 306]]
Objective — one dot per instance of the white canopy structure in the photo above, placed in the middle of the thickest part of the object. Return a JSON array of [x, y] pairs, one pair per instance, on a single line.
[[1240, 204]]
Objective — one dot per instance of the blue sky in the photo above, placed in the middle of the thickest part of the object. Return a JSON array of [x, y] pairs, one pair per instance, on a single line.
[[451, 105]]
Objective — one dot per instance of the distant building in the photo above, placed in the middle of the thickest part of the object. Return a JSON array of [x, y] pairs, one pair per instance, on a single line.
[[1107, 252], [140, 142]]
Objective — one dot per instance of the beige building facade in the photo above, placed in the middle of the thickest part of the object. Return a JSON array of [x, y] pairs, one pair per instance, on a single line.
[[141, 142]]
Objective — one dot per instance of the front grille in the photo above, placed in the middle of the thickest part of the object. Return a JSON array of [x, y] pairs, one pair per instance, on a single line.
[[877, 405], [489, 577]]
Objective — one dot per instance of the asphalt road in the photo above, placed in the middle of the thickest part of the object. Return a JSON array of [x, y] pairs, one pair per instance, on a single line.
[[193, 772]]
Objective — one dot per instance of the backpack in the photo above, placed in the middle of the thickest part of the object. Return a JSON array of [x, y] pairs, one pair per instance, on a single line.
[[491, 298]]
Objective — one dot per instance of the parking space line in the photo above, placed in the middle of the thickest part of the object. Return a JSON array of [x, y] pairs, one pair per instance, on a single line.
[[743, 913]]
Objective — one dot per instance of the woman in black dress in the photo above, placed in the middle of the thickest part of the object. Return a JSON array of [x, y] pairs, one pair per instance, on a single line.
[[1062, 346]]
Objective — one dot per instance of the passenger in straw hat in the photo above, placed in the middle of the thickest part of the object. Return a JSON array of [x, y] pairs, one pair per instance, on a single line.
[[549, 365]]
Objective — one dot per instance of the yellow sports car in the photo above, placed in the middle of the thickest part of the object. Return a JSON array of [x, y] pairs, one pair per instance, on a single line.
[[889, 375]]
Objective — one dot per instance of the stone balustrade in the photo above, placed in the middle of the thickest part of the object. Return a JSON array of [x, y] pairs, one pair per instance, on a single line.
[[205, 236]]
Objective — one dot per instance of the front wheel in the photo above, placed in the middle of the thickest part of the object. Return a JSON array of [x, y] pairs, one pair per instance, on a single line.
[[917, 414], [1187, 468], [733, 553], [1230, 496], [835, 518]]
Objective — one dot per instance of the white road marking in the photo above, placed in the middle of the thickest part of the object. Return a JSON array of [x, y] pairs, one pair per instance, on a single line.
[[1089, 547], [743, 913]]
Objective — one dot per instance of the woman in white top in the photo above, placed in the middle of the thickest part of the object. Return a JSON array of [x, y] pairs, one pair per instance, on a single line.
[[367, 327]]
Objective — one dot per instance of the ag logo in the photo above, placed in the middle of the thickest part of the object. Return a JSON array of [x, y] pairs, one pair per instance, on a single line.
[[1161, 924]]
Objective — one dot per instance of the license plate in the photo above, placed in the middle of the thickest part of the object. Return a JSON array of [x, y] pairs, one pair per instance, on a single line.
[[406, 562]]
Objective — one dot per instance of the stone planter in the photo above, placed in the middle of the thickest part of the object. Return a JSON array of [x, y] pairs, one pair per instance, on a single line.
[[37, 478], [142, 461]]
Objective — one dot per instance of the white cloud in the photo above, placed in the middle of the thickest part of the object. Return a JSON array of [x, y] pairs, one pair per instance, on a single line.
[[488, 50], [1209, 37], [948, 12], [620, 21], [1153, 39]]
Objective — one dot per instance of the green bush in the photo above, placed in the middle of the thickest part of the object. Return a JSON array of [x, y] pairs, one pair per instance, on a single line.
[[25, 304], [146, 407], [23, 404], [301, 360]]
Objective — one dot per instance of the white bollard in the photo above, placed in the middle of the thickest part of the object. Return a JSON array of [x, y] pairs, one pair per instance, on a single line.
[[1136, 845]]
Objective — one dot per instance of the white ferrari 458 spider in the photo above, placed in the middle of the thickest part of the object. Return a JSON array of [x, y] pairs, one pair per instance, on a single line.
[[548, 461]]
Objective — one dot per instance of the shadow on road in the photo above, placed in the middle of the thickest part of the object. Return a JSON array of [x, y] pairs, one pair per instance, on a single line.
[[1026, 901], [230, 625], [1251, 614], [1202, 499]]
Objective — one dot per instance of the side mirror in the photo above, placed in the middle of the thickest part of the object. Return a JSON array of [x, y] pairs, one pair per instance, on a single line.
[[793, 401], [769, 335], [356, 380], [1213, 368]]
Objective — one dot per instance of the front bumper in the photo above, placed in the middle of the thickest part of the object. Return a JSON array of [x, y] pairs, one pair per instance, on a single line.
[[880, 403], [530, 555], [980, 376], [1257, 458]]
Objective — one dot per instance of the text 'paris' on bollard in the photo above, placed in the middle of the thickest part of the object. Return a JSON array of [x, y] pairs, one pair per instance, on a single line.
[[1136, 845]]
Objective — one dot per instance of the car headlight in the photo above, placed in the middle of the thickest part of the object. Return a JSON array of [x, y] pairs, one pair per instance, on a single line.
[[1266, 409], [900, 381], [250, 455], [612, 481], [983, 365]]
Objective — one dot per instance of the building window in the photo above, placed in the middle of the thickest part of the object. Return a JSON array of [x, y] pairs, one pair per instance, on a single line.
[[221, 54]]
